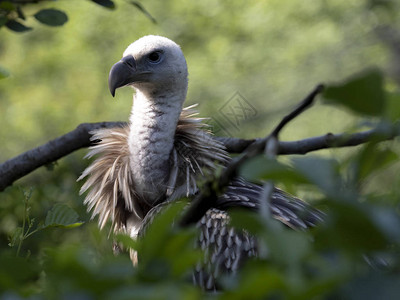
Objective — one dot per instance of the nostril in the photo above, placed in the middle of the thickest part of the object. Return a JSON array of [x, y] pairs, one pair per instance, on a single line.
[[130, 61]]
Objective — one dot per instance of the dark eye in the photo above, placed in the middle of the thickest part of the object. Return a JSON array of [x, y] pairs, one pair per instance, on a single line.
[[154, 57]]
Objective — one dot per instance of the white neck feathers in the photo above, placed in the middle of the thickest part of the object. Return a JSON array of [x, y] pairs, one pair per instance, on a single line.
[[153, 124]]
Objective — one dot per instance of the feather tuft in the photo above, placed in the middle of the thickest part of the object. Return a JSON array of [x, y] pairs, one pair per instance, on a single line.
[[111, 191]]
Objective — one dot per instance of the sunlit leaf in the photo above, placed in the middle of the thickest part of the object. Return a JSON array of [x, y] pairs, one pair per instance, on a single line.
[[363, 93], [62, 216], [17, 26], [51, 17]]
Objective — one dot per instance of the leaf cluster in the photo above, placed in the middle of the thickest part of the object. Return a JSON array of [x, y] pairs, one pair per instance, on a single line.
[[13, 15]]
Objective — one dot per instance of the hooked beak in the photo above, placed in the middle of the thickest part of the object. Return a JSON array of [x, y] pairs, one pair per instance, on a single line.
[[122, 73]]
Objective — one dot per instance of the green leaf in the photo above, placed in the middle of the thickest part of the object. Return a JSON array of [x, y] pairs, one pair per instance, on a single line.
[[4, 73], [17, 27], [248, 220], [15, 237], [372, 158], [7, 6], [158, 248], [255, 281], [393, 107], [182, 242], [51, 17], [387, 220], [159, 231], [288, 247], [351, 226], [3, 20], [106, 3], [126, 241], [319, 171], [17, 274], [61, 216], [362, 94], [373, 285], [263, 168]]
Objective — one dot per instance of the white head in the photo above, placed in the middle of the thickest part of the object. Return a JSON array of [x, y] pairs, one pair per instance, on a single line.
[[154, 65]]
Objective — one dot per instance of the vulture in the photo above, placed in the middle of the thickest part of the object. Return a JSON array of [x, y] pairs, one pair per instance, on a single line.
[[160, 154]]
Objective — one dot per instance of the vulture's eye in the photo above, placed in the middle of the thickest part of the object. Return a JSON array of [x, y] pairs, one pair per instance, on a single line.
[[155, 57]]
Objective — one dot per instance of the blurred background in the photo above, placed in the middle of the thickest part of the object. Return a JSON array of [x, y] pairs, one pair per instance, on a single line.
[[270, 54]]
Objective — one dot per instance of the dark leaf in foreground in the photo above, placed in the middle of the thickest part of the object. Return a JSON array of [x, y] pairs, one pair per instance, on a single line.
[[363, 93], [51, 17], [263, 168], [106, 3], [17, 27]]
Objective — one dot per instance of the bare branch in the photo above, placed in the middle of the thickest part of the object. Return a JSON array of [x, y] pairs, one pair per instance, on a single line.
[[333, 141], [330, 140], [23, 164]]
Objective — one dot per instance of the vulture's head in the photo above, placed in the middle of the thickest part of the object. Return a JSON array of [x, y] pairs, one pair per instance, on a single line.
[[151, 64]]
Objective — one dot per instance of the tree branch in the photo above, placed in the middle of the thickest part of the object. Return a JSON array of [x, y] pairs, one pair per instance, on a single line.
[[21, 165], [326, 141]]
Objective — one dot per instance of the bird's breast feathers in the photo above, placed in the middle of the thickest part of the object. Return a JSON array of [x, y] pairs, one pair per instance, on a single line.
[[111, 190]]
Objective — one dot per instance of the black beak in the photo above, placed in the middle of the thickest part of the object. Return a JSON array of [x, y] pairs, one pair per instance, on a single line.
[[122, 73]]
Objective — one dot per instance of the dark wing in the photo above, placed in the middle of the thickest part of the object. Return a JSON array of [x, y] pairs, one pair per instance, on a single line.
[[226, 249], [290, 210]]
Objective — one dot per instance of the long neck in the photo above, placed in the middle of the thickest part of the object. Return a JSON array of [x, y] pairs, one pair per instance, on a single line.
[[153, 124]]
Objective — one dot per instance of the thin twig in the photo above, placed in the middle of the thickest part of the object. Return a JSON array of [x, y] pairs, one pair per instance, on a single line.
[[306, 103], [209, 194], [271, 149]]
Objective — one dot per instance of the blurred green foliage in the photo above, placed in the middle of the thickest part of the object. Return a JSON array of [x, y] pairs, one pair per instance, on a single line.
[[272, 53]]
